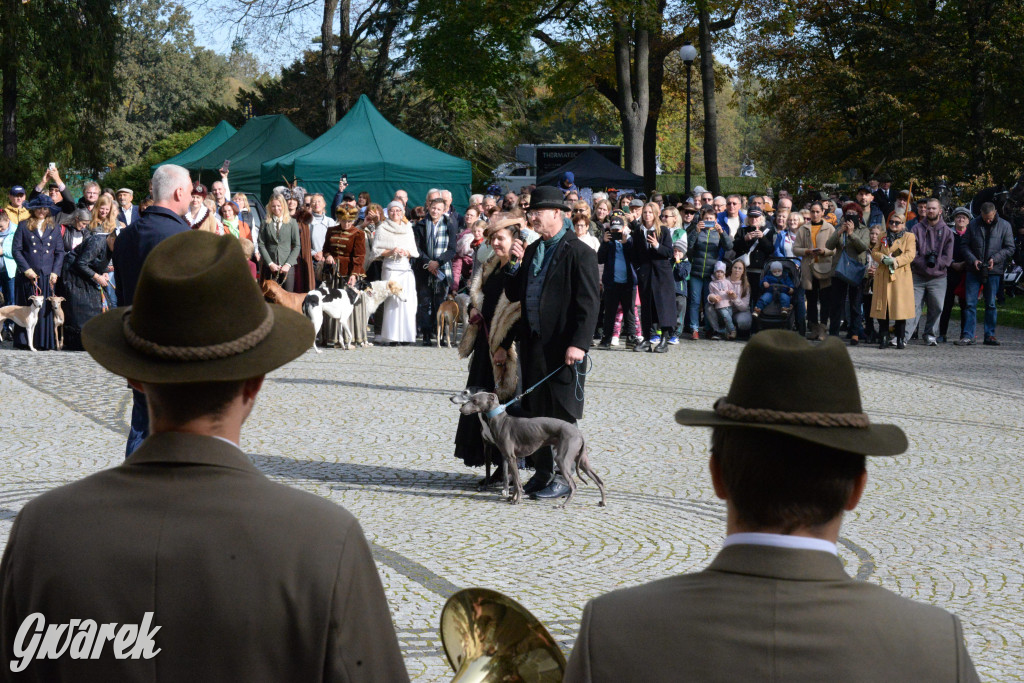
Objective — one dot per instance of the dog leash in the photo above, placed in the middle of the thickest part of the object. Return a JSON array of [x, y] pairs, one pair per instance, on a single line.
[[578, 389]]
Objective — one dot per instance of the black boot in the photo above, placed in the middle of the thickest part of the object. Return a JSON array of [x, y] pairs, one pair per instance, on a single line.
[[662, 346], [643, 346]]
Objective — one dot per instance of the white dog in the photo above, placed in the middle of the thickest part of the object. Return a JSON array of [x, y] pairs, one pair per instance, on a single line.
[[25, 316], [336, 303]]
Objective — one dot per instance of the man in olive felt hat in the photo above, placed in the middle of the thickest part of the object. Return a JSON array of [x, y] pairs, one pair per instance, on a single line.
[[787, 457], [231, 576]]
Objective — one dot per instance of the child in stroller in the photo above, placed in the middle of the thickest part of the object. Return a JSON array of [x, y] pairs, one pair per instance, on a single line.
[[778, 287]]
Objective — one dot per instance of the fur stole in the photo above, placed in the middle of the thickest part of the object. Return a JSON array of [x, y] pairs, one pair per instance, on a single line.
[[506, 315], [390, 235]]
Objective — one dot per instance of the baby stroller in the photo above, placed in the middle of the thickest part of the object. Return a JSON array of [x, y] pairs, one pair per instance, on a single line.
[[1012, 280], [772, 317]]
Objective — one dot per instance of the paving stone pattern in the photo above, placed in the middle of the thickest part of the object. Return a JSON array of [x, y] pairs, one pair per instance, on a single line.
[[371, 429]]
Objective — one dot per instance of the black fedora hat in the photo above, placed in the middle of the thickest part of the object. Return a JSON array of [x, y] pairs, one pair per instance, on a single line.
[[548, 197], [785, 384], [198, 316]]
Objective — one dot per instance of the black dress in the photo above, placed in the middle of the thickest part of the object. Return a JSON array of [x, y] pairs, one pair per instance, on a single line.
[[84, 298], [469, 442]]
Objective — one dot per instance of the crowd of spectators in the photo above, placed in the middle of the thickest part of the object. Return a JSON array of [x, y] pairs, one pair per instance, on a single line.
[[873, 266]]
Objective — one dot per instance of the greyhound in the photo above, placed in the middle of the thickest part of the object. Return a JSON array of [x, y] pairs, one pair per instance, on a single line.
[[518, 437], [447, 320], [25, 316], [58, 319]]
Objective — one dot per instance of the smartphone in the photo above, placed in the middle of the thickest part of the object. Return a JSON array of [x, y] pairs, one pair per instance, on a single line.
[[225, 165], [52, 166], [709, 224], [344, 176]]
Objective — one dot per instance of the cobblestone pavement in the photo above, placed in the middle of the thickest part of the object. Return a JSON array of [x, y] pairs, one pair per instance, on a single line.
[[371, 429]]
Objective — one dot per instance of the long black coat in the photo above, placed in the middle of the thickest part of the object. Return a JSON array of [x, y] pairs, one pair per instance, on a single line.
[[654, 275], [43, 255], [84, 298], [569, 305]]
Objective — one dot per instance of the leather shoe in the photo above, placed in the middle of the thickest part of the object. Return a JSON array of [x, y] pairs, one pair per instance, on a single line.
[[642, 346], [555, 489], [537, 482], [662, 346]]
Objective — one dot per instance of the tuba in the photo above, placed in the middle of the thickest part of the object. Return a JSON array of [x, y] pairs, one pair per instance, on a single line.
[[489, 637]]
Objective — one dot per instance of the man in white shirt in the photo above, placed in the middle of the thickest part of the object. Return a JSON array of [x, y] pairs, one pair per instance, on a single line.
[[318, 225], [776, 603]]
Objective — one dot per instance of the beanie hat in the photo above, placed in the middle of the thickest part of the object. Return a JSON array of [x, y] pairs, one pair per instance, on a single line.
[[720, 266], [774, 265]]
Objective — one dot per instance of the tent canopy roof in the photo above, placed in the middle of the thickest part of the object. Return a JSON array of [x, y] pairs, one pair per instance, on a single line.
[[201, 147], [591, 169]]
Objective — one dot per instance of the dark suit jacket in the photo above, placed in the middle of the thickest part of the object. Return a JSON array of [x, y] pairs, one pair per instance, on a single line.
[[885, 203], [133, 215], [654, 275], [134, 244], [248, 580], [569, 305], [419, 233], [767, 614]]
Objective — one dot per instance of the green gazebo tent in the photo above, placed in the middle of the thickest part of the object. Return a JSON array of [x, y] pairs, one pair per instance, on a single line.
[[261, 138], [377, 157], [200, 148]]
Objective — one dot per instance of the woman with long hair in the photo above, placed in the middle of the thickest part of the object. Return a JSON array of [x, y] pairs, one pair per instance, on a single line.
[[488, 342], [279, 244], [39, 253], [86, 277], [104, 216], [650, 250], [246, 213]]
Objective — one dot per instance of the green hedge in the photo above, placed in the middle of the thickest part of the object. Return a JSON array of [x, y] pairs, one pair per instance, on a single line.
[[674, 183]]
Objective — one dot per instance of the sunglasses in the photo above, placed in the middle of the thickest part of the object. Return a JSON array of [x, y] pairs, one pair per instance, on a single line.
[[895, 222]]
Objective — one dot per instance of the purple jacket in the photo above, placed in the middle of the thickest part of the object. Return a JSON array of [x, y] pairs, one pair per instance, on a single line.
[[938, 239]]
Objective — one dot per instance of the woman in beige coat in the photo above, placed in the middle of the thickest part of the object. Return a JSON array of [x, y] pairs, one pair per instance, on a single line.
[[816, 268], [893, 297]]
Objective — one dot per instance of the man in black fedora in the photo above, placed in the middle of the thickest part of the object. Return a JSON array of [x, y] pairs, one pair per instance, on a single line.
[[776, 603], [555, 280], [227, 575]]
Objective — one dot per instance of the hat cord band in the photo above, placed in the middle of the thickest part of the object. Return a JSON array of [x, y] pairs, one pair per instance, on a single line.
[[808, 419], [199, 353]]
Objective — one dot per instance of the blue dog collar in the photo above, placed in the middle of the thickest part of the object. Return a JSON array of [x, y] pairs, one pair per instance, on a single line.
[[495, 412]]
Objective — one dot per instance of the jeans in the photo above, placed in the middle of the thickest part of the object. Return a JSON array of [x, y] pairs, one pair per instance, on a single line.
[[720, 319], [111, 292], [697, 290], [974, 283], [139, 429], [930, 291], [840, 291]]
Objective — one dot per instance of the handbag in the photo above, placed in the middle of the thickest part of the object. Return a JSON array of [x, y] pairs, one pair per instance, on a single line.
[[848, 269]]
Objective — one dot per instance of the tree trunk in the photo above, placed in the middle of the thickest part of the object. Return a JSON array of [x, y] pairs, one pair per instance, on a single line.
[[11, 63], [344, 62], [707, 73], [977, 96], [327, 58], [632, 80], [657, 79]]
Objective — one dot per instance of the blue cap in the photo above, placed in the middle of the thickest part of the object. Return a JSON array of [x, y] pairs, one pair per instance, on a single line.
[[17, 189]]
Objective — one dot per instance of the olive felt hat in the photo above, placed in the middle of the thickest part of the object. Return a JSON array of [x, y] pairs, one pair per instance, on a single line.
[[785, 384], [198, 316]]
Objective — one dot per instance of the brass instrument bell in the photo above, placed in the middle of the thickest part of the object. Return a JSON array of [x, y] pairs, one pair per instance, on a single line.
[[490, 638]]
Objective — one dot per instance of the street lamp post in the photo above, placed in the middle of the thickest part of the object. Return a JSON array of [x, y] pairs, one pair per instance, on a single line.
[[688, 53]]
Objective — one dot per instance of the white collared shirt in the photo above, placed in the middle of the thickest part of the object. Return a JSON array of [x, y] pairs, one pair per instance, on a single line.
[[227, 441], [780, 541]]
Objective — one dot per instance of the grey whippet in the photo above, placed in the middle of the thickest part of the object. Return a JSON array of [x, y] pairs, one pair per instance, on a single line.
[[518, 437]]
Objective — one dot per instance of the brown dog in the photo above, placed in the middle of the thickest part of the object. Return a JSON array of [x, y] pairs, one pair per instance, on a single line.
[[58, 319], [276, 294], [447, 319]]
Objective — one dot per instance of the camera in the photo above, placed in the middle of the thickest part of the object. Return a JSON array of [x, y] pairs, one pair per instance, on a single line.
[[616, 234], [931, 258]]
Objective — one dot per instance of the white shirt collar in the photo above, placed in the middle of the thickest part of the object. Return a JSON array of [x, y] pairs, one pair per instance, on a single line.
[[780, 541], [227, 441]]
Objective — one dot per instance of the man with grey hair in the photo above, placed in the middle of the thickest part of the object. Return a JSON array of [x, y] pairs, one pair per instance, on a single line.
[[172, 192], [454, 216], [476, 200]]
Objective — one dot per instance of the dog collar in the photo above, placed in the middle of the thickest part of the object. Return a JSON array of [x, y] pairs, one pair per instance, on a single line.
[[495, 412]]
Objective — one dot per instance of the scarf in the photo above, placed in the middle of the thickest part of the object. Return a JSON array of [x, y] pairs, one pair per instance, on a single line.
[[437, 246], [543, 247], [232, 226]]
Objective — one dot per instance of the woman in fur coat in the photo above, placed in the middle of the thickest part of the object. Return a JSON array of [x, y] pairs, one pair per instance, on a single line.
[[488, 341]]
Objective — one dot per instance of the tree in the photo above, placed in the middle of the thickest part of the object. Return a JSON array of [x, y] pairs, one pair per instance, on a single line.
[[160, 72], [56, 89]]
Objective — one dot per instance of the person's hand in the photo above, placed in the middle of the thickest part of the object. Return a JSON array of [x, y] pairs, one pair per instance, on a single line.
[[713, 298], [517, 249], [731, 295], [31, 275], [285, 268], [625, 234], [977, 265], [652, 240], [273, 267], [888, 260], [573, 355], [342, 184], [432, 267], [991, 263], [224, 174], [103, 280], [55, 174], [318, 256], [53, 279], [351, 280], [765, 285], [329, 260], [606, 236], [500, 356]]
